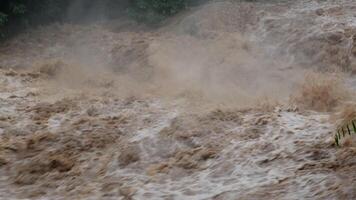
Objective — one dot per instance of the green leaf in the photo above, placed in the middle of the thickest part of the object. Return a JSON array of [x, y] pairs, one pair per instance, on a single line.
[[336, 140], [3, 18], [351, 126], [348, 130], [354, 126], [17, 8]]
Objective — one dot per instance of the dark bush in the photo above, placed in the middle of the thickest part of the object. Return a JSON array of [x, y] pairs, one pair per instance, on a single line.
[[153, 11], [19, 14]]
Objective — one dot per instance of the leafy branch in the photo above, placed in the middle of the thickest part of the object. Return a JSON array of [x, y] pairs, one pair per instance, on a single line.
[[348, 128]]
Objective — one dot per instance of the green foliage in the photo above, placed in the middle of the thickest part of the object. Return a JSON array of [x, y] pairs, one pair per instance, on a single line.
[[17, 8], [19, 14], [153, 11], [349, 128], [3, 18], [16, 15]]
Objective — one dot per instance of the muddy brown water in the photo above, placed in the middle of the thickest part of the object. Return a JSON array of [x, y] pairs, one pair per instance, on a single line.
[[92, 112]]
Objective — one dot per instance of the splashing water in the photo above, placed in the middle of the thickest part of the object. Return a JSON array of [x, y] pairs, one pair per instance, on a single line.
[[172, 113]]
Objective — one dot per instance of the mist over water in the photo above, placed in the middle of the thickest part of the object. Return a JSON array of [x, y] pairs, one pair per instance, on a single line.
[[226, 52]]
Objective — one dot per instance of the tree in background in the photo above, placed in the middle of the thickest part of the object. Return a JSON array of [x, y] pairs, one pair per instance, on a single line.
[[153, 11], [10, 9], [17, 15]]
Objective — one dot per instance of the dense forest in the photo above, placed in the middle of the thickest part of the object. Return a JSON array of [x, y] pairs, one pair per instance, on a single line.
[[16, 15]]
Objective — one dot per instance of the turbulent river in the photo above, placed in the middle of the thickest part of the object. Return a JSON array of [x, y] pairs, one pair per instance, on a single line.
[[197, 109]]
